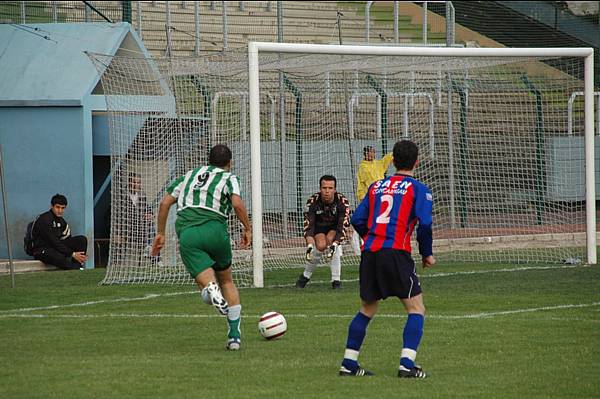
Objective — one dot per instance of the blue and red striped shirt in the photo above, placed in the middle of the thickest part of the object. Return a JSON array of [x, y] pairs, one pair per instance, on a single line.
[[387, 215]]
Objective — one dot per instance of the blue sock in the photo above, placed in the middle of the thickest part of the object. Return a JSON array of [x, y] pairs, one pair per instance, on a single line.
[[413, 331], [356, 334]]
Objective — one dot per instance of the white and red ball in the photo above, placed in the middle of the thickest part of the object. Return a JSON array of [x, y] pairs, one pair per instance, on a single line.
[[272, 325]]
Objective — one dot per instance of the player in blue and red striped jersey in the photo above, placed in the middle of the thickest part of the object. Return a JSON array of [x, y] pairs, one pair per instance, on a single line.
[[385, 219]]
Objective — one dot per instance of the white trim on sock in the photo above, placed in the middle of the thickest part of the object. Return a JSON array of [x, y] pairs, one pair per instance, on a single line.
[[351, 354], [408, 353]]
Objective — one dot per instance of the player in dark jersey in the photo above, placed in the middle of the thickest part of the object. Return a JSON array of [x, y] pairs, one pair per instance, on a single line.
[[385, 219], [326, 219]]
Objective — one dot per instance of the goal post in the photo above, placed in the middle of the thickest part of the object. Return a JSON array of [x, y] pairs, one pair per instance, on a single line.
[[256, 48], [590, 178], [506, 145]]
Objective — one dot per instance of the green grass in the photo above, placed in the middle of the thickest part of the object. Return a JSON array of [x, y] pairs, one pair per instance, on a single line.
[[488, 334]]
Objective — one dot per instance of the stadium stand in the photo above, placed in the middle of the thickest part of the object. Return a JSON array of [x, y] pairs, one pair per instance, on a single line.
[[303, 21]]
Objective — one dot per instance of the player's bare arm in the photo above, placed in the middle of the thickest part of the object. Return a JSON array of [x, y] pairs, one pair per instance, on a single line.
[[240, 210]]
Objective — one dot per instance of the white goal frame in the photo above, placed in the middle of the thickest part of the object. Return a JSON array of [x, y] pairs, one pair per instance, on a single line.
[[254, 48]]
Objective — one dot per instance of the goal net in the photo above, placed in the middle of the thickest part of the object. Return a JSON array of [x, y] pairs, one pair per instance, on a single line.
[[501, 140]]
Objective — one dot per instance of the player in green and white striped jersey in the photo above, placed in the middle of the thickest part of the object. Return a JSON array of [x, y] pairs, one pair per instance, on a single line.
[[205, 197]]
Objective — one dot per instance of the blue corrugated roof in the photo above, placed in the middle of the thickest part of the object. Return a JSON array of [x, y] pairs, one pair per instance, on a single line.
[[33, 68]]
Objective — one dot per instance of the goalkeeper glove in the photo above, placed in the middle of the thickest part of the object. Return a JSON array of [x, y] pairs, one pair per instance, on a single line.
[[332, 249], [309, 253]]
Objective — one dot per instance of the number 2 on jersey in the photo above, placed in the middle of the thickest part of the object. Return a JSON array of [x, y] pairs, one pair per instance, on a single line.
[[387, 203]]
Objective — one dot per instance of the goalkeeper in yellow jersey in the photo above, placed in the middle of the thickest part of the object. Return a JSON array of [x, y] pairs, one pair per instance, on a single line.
[[369, 171]]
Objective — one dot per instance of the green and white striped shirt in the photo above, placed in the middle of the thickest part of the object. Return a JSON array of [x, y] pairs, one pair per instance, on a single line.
[[208, 187]]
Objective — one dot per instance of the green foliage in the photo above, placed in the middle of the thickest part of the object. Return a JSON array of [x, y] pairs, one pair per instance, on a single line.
[[491, 331]]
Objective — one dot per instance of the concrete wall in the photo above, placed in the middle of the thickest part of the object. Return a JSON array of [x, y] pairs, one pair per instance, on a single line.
[[100, 129], [46, 150]]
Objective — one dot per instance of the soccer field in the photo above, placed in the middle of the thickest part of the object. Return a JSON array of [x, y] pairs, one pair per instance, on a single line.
[[502, 331]]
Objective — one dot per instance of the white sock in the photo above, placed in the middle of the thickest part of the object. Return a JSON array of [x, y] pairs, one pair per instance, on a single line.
[[312, 265], [234, 312], [336, 265]]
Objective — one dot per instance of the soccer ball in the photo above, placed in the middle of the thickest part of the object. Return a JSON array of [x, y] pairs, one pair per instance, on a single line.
[[272, 325]]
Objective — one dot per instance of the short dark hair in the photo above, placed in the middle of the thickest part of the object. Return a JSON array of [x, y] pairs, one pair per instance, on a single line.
[[219, 155], [406, 154], [58, 199], [366, 150], [328, 178]]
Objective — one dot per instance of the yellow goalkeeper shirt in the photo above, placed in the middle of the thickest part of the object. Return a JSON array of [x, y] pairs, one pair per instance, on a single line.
[[370, 171]]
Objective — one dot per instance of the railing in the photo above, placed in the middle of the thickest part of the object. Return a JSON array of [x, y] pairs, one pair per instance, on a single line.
[[200, 20], [29, 12], [570, 112], [449, 17]]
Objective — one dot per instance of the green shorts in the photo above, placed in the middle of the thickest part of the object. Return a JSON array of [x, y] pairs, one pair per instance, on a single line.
[[204, 246]]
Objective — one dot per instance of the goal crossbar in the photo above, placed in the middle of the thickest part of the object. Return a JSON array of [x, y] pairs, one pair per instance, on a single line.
[[254, 48]]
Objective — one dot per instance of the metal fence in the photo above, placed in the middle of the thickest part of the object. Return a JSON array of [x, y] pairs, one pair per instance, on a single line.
[[185, 28], [33, 12], [192, 27], [444, 26]]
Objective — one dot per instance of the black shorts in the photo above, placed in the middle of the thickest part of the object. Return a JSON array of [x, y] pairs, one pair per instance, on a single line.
[[325, 229], [387, 272]]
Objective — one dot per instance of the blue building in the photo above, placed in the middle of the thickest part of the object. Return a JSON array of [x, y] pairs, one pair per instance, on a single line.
[[53, 123]]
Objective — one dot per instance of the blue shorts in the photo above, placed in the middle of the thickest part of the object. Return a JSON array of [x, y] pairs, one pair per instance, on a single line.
[[387, 272]]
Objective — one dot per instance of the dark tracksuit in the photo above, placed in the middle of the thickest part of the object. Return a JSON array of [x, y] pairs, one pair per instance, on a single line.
[[53, 244]]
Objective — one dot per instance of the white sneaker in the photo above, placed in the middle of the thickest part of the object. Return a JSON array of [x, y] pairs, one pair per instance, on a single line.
[[233, 344], [216, 298]]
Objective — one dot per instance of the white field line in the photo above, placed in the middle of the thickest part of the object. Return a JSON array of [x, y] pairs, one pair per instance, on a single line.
[[155, 296], [481, 315], [505, 270], [452, 274], [98, 302]]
